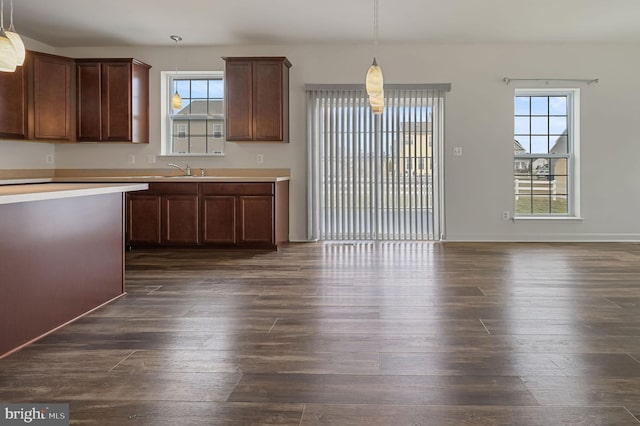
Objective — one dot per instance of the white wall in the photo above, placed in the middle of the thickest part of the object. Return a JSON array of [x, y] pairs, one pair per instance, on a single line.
[[478, 185], [25, 155]]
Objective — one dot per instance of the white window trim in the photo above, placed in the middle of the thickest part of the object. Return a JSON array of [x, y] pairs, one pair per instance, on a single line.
[[166, 78], [573, 141]]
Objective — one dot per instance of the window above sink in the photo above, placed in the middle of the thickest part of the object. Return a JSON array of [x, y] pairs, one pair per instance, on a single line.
[[197, 127]]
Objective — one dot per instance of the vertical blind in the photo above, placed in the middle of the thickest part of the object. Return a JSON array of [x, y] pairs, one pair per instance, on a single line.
[[374, 177]]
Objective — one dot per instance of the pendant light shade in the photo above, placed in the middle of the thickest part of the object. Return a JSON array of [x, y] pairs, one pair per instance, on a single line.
[[18, 46], [376, 100], [375, 80], [8, 57], [16, 40], [176, 100]]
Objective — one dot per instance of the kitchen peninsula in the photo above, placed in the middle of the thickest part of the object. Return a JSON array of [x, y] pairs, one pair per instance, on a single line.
[[61, 255]]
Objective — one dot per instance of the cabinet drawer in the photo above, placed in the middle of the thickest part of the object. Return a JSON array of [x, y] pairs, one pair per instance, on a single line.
[[236, 188], [190, 188]]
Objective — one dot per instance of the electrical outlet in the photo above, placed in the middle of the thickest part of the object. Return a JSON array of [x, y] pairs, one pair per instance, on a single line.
[[132, 159], [506, 215], [260, 158], [49, 159], [151, 158], [457, 151]]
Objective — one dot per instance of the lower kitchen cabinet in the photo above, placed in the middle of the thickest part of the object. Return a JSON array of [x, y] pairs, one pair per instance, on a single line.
[[179, 219], [225, 214], [219, 219], [165, 214], [144, 219], [255, 217], [238, 220], [245, 214]]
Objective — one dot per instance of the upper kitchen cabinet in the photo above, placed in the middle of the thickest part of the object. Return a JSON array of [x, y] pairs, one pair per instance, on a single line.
[[35, 99], [112, 100], [13, 104], [257, 99], [49, 103]]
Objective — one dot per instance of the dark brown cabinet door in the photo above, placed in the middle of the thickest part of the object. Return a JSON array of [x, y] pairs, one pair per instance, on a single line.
[[268, 118], [255, 217], [257, 99], [180, 219], [219, 224], [113, 100], [116, 101], [89, 105], [238, 100], [13, 104], [144, 219], [51, 79]]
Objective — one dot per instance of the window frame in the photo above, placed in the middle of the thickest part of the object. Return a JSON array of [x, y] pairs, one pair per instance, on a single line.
[[167, 116], [572, 156]]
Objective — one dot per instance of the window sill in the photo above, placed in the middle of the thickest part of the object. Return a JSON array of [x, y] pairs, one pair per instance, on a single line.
[[548, 218]]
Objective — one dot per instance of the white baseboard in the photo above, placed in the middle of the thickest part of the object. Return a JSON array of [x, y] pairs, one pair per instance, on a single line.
[[548, 237]]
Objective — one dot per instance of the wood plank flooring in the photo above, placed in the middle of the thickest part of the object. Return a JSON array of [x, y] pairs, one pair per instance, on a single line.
[[353, 334]]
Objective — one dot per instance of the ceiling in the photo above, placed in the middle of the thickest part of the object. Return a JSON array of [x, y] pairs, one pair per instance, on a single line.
[[67, 23]]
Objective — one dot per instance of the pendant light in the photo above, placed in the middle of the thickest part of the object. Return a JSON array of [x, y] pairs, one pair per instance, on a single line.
[[8, 57], [375, 80], [16, 40], [176, 100]]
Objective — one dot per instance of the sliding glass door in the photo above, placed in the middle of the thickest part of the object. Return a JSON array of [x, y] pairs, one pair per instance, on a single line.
[[375, 177]]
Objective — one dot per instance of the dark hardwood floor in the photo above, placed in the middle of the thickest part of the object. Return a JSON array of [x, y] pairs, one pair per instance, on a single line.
[[353, 334]]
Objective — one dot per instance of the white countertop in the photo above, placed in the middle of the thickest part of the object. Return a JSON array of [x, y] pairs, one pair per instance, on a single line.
[[24, 180], [10, 194], [145, 179], [173, 179]]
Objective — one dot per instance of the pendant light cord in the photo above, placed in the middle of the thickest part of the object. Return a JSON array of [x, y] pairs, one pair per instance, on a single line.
[[175, 38], [375, 27], [2, 15], [11, 18], [175, 55]]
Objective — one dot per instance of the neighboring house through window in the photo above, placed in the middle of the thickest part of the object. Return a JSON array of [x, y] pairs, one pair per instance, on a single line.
[[546, 142], [197, 128]]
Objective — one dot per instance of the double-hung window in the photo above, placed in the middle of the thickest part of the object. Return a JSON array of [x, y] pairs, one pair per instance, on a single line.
[[546, 152], [197, 127]]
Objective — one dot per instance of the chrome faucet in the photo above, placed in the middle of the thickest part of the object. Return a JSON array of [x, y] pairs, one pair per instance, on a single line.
[[186, 170]]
